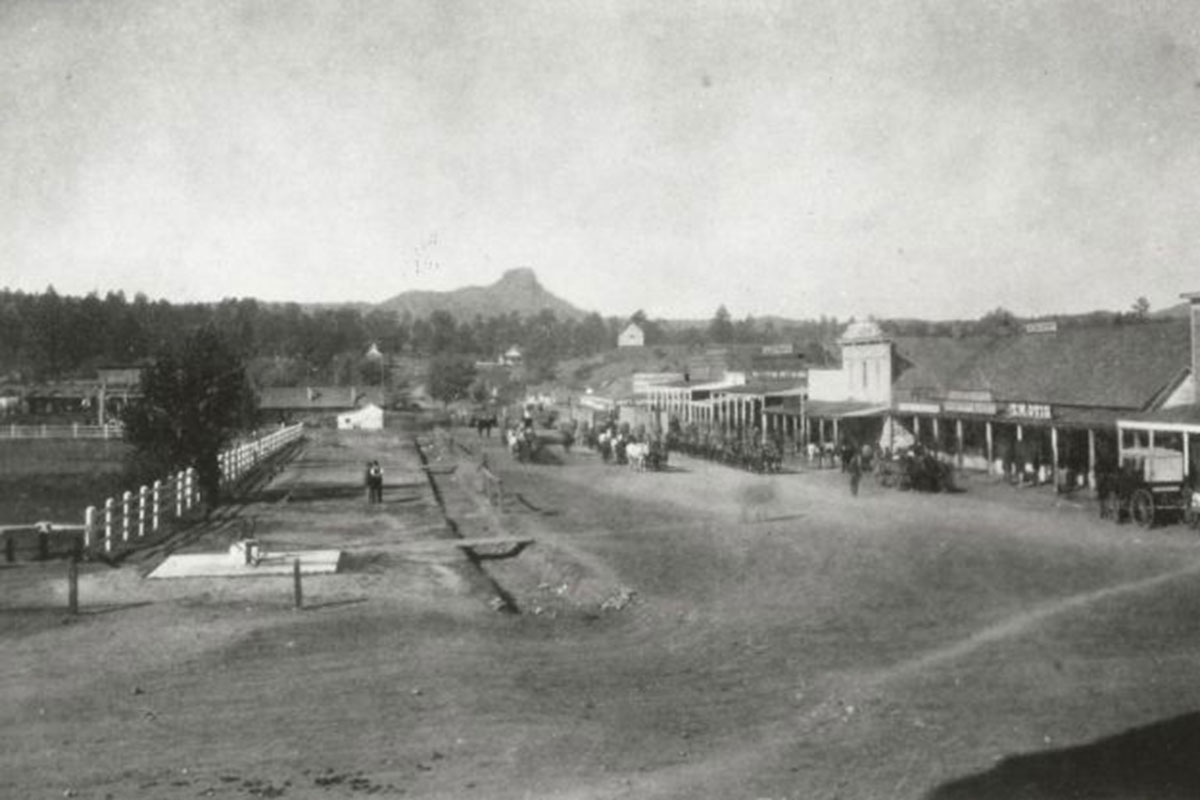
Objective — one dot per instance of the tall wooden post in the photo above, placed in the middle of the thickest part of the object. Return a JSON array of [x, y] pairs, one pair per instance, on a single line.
[[73, 585], [298, 591]]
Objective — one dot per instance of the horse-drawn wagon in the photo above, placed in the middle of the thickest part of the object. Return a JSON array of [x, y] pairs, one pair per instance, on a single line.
[[919, 471], [1149, 486]]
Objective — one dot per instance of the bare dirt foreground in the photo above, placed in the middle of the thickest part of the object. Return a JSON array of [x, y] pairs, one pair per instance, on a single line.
[[695, 633]]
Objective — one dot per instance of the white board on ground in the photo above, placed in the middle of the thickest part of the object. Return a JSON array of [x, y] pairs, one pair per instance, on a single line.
[[221, 565]]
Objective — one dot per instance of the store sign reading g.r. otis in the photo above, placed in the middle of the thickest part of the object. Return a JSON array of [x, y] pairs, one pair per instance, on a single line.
[[1030, 410]]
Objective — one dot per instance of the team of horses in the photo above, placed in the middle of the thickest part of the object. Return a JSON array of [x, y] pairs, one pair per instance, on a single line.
[[616, 446], [743, 452]]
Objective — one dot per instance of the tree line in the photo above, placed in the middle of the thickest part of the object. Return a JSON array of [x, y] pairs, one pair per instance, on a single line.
[[46, 336]]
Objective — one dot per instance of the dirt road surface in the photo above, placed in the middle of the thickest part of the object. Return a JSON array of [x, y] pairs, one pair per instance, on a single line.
[[698, 633]]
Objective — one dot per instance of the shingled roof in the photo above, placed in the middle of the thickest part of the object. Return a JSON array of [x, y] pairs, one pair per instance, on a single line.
[[927, 366], [1117, 366], [317, 398]]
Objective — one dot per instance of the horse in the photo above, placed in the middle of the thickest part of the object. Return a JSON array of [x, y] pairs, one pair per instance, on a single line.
[[637, 453], [483, 425]]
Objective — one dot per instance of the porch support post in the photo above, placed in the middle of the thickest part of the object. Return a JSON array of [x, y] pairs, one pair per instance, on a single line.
[[958, 441], [1091, 476], [1054, 455], [1187, 456], [1151, 476], [990, 454]]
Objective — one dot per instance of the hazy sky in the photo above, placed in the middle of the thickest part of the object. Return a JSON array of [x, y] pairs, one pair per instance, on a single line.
[[896, 158]]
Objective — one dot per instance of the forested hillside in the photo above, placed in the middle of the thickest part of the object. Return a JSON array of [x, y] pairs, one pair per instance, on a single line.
[[47, 336]]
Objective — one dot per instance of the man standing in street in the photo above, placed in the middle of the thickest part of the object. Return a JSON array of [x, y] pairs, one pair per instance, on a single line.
[[376, 482]]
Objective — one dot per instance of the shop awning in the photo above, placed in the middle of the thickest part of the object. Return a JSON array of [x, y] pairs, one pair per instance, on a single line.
[[1066, 418], [768, 389], [826, 409], [1180, 418]]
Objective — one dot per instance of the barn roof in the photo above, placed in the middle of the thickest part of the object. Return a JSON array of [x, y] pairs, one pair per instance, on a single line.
[[317, 398]]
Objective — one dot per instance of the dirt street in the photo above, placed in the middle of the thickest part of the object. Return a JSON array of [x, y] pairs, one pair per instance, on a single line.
[[699, 632]]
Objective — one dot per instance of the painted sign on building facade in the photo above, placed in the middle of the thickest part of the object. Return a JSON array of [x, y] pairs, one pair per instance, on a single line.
[[980, 403], [1029, 411]]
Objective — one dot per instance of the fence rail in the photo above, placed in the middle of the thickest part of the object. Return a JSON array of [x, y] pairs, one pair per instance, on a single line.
[[134, 515], [73, 431]]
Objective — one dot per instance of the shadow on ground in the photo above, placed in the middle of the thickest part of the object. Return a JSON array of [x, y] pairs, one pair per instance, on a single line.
[[313, 492], [1156, 761], [535, 508]]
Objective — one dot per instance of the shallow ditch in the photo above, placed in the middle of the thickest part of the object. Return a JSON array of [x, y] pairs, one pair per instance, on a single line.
[[477, 575]]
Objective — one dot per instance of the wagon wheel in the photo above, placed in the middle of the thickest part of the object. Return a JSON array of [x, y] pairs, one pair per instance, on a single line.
[[1141, 508]]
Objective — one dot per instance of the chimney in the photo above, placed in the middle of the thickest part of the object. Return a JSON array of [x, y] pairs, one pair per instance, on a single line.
[[1193, 299]]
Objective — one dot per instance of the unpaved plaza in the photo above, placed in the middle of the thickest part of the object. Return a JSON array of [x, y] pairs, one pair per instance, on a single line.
[[700, 632]]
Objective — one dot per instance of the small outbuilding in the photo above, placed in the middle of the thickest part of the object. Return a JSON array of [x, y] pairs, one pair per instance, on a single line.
[[367, 418], [632, 336]]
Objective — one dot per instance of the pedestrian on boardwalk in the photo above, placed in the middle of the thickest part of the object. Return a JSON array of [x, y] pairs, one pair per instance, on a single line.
[[368, 483], [855, 469]]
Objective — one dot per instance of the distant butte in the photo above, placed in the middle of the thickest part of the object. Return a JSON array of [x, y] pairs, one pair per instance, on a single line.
[[518, 291]]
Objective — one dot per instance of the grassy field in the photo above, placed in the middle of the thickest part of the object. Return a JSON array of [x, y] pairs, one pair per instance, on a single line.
[[56, 479]]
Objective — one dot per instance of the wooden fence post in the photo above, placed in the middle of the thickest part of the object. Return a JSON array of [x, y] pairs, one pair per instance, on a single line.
[[157, 503], [108, 525], [143, 500], [43, 542], [126, 513], [297, 590], [89, 525]]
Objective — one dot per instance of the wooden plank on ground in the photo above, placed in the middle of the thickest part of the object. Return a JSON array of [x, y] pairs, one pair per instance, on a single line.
[[480, 541]]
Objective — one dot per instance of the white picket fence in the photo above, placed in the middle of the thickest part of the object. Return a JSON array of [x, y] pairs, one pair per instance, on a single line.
[[133, 515], [74, 431]]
